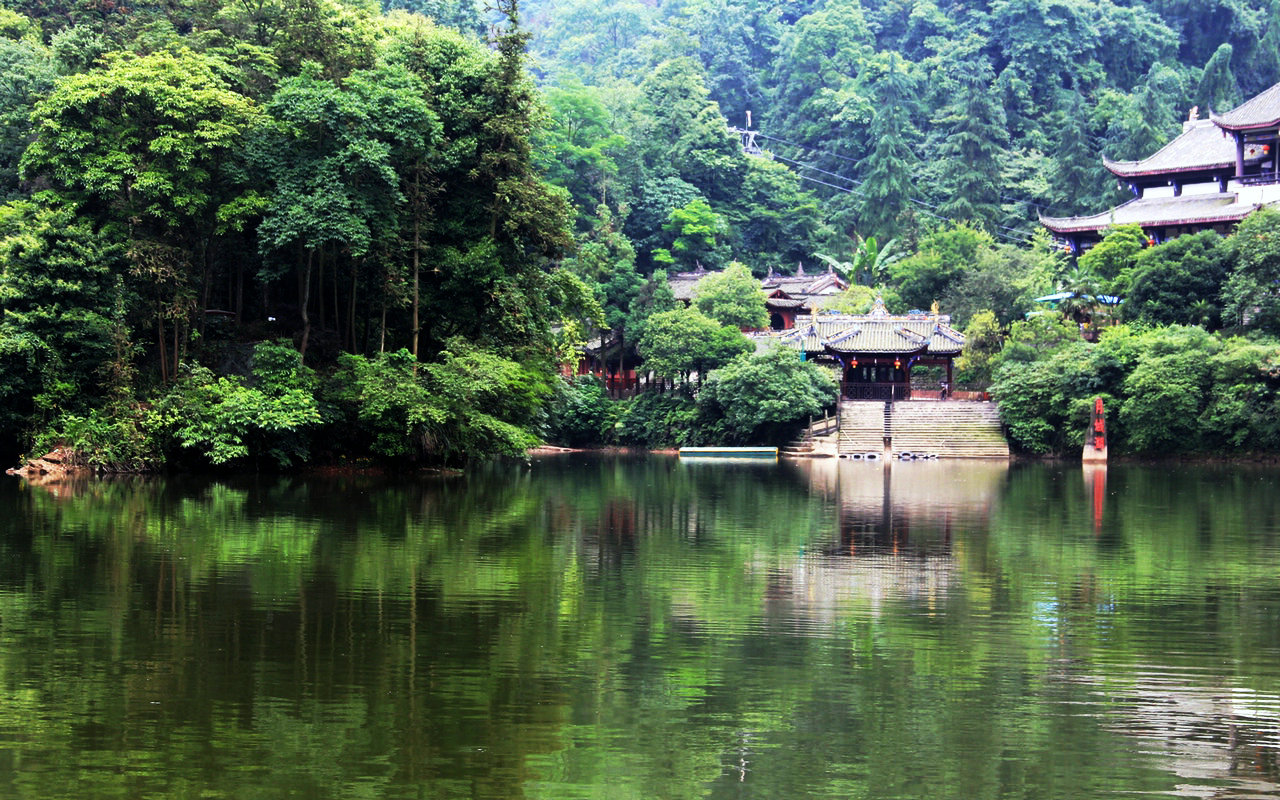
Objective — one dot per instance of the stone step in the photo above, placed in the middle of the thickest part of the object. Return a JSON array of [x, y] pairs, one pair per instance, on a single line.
[[952, 429]]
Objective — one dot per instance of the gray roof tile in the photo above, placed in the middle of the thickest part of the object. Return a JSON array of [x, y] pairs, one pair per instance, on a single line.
[[1154, 211], [1259, 111], [1201, 146]]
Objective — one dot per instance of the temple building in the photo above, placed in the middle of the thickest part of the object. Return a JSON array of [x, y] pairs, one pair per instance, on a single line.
[[787, 297], [875, 352], [1214, 174]]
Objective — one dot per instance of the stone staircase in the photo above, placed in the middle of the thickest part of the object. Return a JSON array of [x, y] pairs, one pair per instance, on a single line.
[[951, 429], [817, 441], [862, 427]]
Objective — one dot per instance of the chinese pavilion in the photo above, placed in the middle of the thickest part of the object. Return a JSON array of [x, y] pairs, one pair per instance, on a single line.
[[875, 352], [1214, 174]]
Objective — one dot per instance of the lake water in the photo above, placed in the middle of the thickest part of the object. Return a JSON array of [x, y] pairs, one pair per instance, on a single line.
[[592, 627]]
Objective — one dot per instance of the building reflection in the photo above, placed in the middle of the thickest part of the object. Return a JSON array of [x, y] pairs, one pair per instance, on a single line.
[[909, 509], [894, 534]]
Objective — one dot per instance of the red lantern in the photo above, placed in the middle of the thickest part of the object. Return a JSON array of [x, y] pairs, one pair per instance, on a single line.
[[854, 363], [897, 363]]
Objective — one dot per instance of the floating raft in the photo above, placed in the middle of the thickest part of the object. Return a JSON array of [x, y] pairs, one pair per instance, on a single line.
[[730, 452]]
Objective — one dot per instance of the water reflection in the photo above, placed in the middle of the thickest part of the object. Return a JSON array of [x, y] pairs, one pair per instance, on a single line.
[[642, 627]]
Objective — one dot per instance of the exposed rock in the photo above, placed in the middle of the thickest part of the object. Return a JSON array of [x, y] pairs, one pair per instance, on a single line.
[[56, 464]]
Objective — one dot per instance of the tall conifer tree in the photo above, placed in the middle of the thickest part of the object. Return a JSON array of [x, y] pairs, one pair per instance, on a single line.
[[889, 168], [1217, 90], [1073, 186], [973, 150]]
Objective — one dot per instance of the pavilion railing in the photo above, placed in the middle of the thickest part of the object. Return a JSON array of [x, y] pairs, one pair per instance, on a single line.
[[1265, 179]]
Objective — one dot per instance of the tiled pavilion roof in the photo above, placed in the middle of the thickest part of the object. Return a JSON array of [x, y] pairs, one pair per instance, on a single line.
[[1204, 209], [1259, 111], [873, 333], [1202, 146]]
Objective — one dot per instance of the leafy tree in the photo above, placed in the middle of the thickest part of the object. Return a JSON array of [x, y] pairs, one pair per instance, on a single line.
[[869, 264], [490, 255], [814, 85], [1130, 39], [732, 297], [1037, 337], [1152, 118], [1047, 44], [461, 15], [928, 274], [1171, 280], [772, 219], [1112, 260], [143, 143], [1165, 393], [331, 161], [578, 148], [678, 343], [386, 404], [1241, 405], [28, 75], [482, 404], [606, 259], [654, 297], [1004, 278], [684, 134], [657, 199], [1250, 297], [580, 413], [59, 291], [1074, 183], [664, 419], [697, 232], [982, 342], [1044, 403], [765, 397], [97, 137]]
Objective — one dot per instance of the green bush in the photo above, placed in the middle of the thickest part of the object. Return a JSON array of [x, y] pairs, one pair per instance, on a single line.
[[664, 420], [225, 419], [581, 414], [765, 398]]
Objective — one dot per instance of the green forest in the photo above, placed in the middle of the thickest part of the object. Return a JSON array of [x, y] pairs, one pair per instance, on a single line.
[[273, 232]]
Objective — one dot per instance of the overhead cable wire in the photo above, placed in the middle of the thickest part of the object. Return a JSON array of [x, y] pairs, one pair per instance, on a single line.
[[910, 199], [802, 165], [926, 213]]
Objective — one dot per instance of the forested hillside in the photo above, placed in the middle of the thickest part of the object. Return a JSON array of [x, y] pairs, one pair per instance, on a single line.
[[258, 230]]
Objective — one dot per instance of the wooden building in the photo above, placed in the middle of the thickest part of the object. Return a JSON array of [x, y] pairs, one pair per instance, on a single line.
[[1214, 174], [787, 297], [875, 352]]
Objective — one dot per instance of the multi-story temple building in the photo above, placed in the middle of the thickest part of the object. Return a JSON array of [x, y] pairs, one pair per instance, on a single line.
[[1214, 174]]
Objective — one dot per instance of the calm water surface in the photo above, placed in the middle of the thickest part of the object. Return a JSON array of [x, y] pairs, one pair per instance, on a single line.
[[645, 628]]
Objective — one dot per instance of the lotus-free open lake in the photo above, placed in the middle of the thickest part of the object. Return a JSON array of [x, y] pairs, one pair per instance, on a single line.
[[614, 627]]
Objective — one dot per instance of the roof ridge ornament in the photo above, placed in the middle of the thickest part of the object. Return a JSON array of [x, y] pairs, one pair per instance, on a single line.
[[878, 308]]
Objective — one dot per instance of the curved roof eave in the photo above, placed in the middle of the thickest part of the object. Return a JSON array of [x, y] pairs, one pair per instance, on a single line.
[[1134, 169]]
